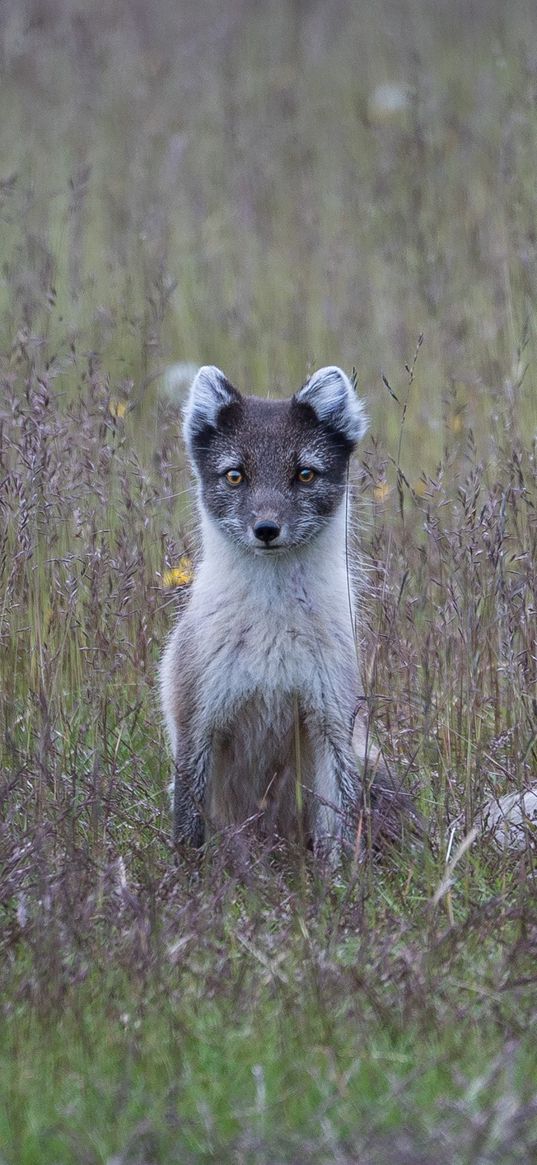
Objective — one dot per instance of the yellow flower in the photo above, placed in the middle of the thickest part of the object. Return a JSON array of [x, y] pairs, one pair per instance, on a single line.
[[381, 491], [117, 408], [455, 423], [180, 575], [420, 488]]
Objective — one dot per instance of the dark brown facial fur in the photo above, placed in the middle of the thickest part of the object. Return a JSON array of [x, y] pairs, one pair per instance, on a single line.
[[269, 442]]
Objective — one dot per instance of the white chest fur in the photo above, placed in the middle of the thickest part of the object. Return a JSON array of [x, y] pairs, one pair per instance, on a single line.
[[282, 625]]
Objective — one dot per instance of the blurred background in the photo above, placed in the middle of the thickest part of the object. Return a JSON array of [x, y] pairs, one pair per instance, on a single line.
[[275, 186]]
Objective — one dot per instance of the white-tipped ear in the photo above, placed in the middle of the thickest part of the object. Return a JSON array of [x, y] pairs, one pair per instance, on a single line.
[[330, 394], [210, 392]]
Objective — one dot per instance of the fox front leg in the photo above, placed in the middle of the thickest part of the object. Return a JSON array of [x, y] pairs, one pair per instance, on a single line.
[[337, 795], [190, 784]]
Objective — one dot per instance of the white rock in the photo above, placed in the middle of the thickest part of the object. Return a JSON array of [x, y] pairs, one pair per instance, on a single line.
[[511, 819]]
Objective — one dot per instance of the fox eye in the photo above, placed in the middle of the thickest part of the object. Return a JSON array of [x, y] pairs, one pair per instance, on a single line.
[[234, 476], [306, 475]]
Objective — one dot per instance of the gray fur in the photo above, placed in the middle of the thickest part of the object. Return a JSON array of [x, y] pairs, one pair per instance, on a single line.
[[209, 393], [260, 679], [331, 395]]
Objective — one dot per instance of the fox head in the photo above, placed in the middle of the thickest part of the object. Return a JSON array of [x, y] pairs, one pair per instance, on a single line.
[[272, 473]]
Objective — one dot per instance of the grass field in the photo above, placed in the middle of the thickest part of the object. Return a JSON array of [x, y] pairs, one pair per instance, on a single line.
[[234, 183]]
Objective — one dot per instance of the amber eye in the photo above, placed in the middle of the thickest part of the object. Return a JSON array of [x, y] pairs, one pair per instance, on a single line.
[[234, 476], [306, 475]]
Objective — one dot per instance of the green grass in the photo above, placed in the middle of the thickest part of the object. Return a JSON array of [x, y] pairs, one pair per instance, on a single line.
[[248, 1035], [218, 183], [182, 1077]]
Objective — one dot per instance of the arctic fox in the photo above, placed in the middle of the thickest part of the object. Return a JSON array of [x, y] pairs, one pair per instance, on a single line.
[[260, 680]]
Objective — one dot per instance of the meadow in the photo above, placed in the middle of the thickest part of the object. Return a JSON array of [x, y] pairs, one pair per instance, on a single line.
[[269, 188]]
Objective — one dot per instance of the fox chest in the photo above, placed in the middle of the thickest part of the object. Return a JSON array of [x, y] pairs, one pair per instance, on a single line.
[[280, 657]]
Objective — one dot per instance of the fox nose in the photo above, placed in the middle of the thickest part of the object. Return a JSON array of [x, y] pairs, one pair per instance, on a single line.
[[266, 531]]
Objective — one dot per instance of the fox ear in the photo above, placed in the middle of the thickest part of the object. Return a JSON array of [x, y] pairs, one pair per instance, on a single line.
[[330, 394], [210, 392]]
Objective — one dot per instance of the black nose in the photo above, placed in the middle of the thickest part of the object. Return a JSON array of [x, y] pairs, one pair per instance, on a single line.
[[266, 531]]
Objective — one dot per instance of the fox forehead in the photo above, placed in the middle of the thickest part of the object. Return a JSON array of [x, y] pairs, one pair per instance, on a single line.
[[269, 434], [269, 428], [326, 403]]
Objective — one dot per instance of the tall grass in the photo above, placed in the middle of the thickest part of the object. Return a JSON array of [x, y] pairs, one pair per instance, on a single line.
[[228, 183]]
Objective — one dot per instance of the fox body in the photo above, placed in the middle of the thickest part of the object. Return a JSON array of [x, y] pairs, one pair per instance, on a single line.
[[260, 679]]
